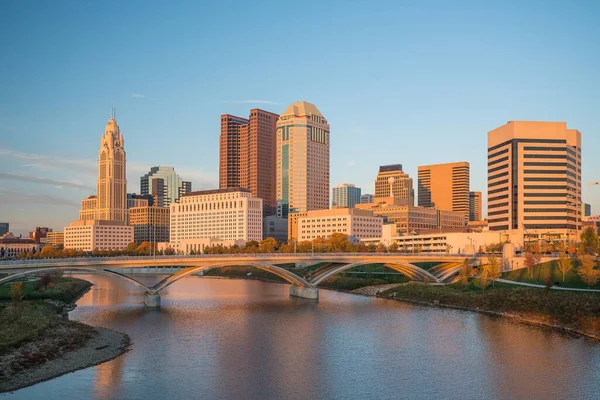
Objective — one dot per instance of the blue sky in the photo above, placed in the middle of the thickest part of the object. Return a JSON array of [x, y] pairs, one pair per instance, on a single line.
[[410, 82]]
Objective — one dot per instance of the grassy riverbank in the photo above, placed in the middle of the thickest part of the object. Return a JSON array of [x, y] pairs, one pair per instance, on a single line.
[[64, 289], [351, 280], [574, 311], [36, 344], [539, 273]]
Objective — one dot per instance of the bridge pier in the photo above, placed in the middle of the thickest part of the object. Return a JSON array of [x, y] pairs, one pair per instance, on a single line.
[[152, 300], [304, 292]]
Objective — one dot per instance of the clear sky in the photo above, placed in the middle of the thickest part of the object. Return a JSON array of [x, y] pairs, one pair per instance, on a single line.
[[410, 82]]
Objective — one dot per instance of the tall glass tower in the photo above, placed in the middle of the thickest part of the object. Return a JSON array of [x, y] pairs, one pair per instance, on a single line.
[[165, 184]]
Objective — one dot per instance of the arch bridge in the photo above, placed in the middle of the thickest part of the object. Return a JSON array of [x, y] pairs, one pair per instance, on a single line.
[[301, 286]]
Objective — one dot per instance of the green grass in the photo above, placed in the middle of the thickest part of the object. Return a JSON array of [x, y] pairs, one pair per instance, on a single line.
[[349, 283], [426, 265], [65, 289], [540, 272]]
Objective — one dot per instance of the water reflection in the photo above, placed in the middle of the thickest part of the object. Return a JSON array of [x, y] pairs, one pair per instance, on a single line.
[[219, 339]]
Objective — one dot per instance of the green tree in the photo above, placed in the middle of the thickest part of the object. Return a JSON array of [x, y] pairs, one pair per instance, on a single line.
[[130, 249], [589, 241], [588, 270], [494, 269], [267, 245], [565, 264]]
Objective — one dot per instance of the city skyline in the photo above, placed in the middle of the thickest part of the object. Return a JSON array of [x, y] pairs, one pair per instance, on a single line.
[[445, 109]]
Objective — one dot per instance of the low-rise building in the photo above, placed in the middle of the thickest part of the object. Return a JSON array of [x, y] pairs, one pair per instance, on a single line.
[[197, 246], [90, 235], [224, 214], [55, 239], [414, 220], [450, 242], [12, 246], [355, 223], [151, 224], [275, 227]]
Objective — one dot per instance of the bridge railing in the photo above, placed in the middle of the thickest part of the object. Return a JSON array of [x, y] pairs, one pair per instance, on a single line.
[[238, 255]]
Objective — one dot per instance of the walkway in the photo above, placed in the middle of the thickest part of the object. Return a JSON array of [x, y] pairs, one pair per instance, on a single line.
[[543, 286]]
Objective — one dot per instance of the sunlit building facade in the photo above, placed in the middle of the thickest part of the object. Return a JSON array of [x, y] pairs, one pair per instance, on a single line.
[[302, 160], [534, 179]]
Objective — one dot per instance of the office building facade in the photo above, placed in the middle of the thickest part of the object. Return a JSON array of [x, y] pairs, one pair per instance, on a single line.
[[247, 156], [345, 195], [164, 184], [150, 224], [302, 160], [534, 179], [366, 198], [475, 206], [391, 181], [445, 187], [226, 214], [355, 223]]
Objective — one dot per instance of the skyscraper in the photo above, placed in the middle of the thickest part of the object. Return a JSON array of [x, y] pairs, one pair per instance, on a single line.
[[475, 206], [366, 198], [247, 155], [164, 184], [302, 160], [393, 182], [445, 187], [534, 179], [345, 195], [112, 185]]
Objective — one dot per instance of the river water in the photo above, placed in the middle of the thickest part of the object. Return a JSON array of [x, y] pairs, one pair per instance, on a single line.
[[238, 339]]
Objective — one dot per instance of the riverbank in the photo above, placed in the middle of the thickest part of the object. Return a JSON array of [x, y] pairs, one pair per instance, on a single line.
[[577, 313], [37, 344]]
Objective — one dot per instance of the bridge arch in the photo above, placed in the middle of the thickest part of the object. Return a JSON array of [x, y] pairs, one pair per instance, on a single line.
[[18, 275], [410, 270], [290, 277]]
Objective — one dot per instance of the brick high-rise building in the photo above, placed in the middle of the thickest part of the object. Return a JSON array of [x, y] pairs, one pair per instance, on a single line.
[[534, 179], [247, 155], [445, 187]]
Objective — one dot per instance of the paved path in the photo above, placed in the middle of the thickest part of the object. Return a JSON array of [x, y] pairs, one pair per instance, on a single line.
[[543, 286]]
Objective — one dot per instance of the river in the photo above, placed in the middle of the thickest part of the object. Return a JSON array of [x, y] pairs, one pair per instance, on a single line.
[[239, 339]]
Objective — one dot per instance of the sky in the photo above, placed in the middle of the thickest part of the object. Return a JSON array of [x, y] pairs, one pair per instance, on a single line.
[[408, 82]]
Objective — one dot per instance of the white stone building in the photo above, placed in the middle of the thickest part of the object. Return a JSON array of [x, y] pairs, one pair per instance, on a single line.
[[223, 214]]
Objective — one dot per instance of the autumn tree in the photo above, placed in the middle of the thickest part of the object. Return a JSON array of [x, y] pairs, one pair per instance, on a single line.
[[588, 270], [339, 242], [393, 247], [465, 272], [16, 291], [482, 281], [381, 248], [565, 264], [48, 252], [267, 245], [531, 260], [143, 249], [494, 268], [130, 249], [589, 241]]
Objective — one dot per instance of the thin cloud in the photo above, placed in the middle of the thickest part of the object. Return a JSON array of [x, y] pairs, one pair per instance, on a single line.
[[138, 96], [248, 102], [50, 162], [44, 181], [18, 198], [351, 163]]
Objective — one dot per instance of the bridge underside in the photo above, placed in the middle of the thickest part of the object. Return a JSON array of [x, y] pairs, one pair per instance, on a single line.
[[301, 287]]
